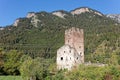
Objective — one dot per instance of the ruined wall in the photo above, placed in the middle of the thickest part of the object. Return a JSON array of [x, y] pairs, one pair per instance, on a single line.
[[72, 53], [67, 57], [75, 38]]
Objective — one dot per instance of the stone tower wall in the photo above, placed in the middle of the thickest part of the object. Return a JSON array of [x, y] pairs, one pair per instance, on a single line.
[[75, 38]]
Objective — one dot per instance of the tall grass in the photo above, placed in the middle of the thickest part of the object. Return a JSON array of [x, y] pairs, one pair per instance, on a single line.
[[10, 78]]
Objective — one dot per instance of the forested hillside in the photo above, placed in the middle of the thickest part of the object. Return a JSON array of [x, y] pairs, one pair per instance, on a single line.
[[43, 33]]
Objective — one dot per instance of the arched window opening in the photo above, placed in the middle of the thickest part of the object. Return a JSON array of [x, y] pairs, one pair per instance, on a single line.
[[77, 58], [61, 58]]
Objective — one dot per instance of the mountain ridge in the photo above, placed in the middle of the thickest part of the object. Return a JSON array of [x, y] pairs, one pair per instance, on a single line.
[[30, 14], [62, 13]]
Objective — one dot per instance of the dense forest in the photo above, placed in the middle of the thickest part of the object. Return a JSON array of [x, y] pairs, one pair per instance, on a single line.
[[33, 44]]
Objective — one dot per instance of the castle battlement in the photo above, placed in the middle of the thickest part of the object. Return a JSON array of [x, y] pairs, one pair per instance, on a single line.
[[73, 29]]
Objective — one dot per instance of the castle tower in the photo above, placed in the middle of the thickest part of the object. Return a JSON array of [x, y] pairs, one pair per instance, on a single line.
[[72, 53], [74, 37]]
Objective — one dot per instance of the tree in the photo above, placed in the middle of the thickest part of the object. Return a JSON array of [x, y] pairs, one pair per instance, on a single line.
[[34, 69], [1, 61], [1, 58], [12, 62]]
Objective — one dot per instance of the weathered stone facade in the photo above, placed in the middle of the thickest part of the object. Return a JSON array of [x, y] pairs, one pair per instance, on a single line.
[[72, 53]]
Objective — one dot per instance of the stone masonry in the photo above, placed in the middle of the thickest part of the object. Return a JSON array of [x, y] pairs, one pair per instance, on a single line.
[[71, 54]]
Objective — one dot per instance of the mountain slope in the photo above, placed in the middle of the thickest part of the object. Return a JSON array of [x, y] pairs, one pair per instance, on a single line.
[[115, 17], [84, 10], [42, 33]]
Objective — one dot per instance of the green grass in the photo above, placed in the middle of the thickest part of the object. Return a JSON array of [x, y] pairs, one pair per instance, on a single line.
[[10, 78]]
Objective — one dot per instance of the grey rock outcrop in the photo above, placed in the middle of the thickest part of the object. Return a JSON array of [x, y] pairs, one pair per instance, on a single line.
[[115, 17]]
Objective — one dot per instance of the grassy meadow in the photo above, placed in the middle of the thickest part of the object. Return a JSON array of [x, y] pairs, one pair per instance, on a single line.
[[10, 78]]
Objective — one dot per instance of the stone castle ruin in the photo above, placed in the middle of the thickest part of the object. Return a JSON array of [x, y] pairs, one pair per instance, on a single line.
[[71, 54]]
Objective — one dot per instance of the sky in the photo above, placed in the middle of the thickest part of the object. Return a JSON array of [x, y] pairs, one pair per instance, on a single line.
[[10, 10]]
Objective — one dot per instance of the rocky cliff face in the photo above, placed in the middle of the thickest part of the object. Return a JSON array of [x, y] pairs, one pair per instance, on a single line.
[[80, 10], [16, 22], [115, 17], [77, 11], [85, 9], [30, 14], [59, 14], [1, 28]]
